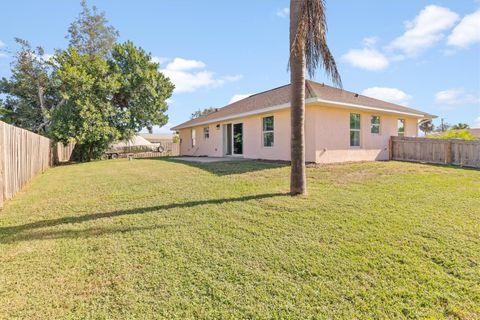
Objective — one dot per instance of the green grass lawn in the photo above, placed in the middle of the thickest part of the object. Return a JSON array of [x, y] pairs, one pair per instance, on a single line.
[[162, 239]]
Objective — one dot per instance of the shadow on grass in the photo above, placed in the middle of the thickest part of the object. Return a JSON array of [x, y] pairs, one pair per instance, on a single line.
[[225, 168], [75, 233], [10, 234]]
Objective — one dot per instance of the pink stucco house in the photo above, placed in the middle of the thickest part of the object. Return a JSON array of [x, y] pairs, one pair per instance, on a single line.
[[339, 126]]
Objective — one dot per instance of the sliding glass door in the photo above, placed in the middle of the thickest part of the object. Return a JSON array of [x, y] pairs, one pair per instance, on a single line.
[[238, 138]]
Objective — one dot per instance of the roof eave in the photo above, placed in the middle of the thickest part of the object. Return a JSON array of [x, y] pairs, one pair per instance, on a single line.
[[309, 101]]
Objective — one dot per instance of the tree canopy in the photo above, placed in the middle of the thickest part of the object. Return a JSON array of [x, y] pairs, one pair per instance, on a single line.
[[28, 94], [460, 126], [90, 33], [203, 112], [92, 93], [140, 101], [86, 83], [426, 126], [454, 134]]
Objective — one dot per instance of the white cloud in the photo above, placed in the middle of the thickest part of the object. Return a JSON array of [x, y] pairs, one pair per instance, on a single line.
[[456, 96], [370, 41], [467, 32], [2, 44], [179, 64], [191, 75], [159, 60], [238, 97], [283, 13], [392, 95], [425, 30], [366, 58]]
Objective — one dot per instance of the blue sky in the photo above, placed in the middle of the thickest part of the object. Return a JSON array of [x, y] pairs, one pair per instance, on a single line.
[[424, 54]]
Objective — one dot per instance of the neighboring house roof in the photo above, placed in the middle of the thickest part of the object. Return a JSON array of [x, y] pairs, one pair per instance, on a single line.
[[475, 132], [152, 137], [279, 98]]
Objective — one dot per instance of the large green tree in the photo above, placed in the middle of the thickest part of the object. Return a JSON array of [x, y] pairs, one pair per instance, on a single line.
[[28, 97], [140, 101], [90, 33], [106, 100], [86, 83], [308, 50]]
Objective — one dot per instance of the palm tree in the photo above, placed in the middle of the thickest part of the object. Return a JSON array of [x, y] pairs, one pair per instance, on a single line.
[[308, 50], [461, 126]]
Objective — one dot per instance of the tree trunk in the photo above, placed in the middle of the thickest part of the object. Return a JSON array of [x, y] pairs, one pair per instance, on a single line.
[[298, 183]]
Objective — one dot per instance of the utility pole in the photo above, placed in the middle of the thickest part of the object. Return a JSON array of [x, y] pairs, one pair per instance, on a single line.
[[443, 128]]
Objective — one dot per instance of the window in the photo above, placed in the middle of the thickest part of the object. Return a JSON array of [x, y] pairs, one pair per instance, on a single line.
[[354, 129], [268, 131], [401, 127], [194, 140], [206, 133], [375, 124]]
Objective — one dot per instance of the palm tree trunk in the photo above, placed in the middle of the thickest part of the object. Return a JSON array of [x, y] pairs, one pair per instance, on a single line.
[[298, 184]]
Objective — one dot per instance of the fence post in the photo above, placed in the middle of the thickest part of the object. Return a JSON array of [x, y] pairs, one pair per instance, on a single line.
[[448, 153], [390, 149]]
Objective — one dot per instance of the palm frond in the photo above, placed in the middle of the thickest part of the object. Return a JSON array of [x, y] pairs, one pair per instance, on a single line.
[[311, 40]]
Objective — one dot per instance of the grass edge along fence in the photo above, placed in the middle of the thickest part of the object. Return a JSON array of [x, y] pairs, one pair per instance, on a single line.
[[455, 152], [24, 154]]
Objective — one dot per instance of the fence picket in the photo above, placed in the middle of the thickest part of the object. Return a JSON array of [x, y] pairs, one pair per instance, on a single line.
[[456, 152]]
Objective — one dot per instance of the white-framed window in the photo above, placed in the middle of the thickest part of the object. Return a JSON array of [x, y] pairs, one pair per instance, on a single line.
[[206, 133], [401, 127], [267, 128], [375, 125], [194, 138], [354, 129]]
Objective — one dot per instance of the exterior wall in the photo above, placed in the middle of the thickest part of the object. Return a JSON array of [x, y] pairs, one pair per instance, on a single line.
[[327, 136], [252, 138], [211, 147], [333, 135]]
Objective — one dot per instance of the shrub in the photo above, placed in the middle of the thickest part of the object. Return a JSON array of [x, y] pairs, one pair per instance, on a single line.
[[454, 134]]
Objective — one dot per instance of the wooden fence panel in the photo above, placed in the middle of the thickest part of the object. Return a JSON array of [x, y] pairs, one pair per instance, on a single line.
[[23, 155], [171, 149], [455, 152], [466, 153], [63, 152]]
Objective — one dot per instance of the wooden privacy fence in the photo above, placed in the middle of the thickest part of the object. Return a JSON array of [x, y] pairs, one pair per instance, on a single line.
[[454, 152], [23, 154], [63, 152]]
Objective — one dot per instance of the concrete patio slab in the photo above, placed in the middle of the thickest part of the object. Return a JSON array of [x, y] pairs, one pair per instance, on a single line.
[[208, 159]]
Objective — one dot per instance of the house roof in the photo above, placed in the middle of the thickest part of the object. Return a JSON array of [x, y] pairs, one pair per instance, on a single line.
[[279, 98], [475, 132]]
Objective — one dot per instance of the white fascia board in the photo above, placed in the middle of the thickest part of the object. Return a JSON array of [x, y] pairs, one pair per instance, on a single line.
[[309, 101], [363, 107]]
